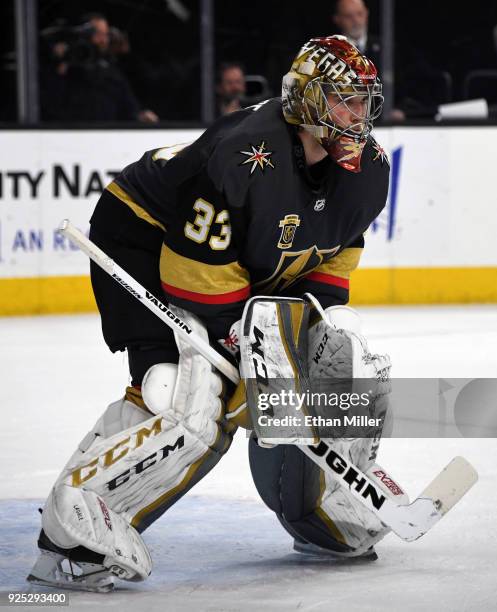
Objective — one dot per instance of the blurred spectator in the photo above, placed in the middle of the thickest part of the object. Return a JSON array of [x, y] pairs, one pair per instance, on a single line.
[[231, 87], [352, 18], [118, 43], [420, 84], [100, 34], [82, 81]]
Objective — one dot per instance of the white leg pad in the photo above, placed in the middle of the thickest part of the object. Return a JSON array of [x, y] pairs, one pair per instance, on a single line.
[[359, 527], [80, 517], [135, 463]]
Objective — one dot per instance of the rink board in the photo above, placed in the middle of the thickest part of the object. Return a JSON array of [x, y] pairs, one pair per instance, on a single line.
[[433, 243], [71, 294]]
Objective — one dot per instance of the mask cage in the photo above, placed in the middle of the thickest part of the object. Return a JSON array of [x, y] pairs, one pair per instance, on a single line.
[[318, 109]]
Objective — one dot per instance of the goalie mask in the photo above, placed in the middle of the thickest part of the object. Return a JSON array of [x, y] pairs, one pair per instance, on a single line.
[[333, 92]]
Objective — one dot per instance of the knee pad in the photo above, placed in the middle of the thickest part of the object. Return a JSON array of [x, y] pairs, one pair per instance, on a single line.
[[312, 506]]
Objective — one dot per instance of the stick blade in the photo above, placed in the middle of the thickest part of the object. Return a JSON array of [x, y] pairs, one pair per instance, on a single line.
[[453, 482], [446, 489]]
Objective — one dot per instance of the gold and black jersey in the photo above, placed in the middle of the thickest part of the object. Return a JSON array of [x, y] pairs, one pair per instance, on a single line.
[[239, 214]]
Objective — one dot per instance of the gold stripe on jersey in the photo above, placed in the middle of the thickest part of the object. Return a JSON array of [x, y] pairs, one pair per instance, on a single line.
[[198, 277], [136, 208], [343, 264]]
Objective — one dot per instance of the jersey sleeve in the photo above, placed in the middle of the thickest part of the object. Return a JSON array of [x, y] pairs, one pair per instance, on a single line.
[[330, 282], [172, 192], [155, 182], [132, 238]]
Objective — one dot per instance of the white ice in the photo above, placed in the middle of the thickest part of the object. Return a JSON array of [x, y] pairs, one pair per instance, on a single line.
[[219, 548]]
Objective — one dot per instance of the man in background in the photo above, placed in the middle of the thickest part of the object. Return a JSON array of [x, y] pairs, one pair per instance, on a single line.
[[83, 82], [231, 87], [352, 18]]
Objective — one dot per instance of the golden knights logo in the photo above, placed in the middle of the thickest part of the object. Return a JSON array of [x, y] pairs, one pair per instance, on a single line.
[[258, 157], [379, 153], [288, 226], [294, 265]]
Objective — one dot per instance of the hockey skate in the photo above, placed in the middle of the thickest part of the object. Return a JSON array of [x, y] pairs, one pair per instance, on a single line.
[[307, 548], [91, 545], [77, 568]]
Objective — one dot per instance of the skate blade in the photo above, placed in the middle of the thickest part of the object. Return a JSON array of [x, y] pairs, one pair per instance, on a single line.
[[54, 570], [323, 553], [73, 585]]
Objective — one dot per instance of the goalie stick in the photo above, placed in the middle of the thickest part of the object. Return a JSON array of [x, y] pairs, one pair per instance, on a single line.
[[409, 522]]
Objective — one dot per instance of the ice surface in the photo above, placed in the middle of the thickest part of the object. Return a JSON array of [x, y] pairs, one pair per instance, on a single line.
[[219, 548]]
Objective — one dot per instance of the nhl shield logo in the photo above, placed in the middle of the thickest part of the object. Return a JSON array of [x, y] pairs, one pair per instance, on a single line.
[[288, 226]]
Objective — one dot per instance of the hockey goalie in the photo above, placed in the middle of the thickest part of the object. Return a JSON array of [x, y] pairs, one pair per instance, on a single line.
[[273, 200]]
